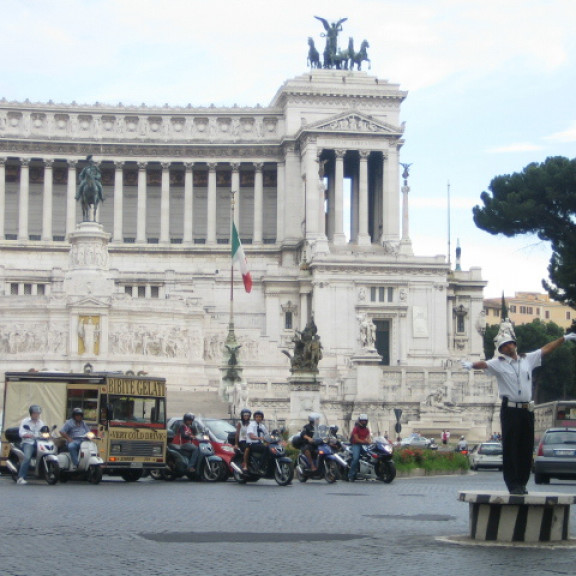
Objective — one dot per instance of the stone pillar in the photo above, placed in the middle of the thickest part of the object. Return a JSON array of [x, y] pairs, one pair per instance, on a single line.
[[141, 210], [118, 235], [47, 201], [24, 199], [354, 208], [390, 200], [312, 187], [280, 200], [71, 197], [258, 203], [235, 187], [303, 310], [165, 204], [189, 203], [363, 238], [211, 216], [339, 236], [2, 197]]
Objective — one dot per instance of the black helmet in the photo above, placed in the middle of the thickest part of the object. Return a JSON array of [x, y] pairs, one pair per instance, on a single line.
[[259, 412], [77, 411], [35, 409], [245, 411], [188, 416]]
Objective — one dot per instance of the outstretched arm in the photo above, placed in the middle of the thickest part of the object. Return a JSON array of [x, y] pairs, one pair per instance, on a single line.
[[551, 346], [480, 365]]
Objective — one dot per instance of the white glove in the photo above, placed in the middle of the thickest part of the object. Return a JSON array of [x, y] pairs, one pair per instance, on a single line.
[[570, 337], [466, 364]]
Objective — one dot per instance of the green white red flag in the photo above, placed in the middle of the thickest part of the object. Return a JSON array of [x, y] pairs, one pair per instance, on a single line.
[[238, 257]]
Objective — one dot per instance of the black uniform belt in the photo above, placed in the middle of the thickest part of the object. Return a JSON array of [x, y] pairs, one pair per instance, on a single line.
[[524, 405]]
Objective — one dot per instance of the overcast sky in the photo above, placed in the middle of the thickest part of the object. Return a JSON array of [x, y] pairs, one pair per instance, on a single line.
[[491, 84]]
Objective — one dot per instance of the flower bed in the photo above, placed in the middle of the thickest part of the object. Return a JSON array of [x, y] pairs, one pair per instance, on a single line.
[[409, 460]]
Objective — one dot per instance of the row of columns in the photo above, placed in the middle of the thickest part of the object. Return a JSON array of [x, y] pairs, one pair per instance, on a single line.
[[387, 202], [117, 232]]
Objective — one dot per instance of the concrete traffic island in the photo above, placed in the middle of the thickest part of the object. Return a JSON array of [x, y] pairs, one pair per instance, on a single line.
[[503, 518]]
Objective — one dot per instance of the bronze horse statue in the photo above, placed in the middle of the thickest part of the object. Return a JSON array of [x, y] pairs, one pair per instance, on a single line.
[[313, 55], [361, 56], [90, 191]]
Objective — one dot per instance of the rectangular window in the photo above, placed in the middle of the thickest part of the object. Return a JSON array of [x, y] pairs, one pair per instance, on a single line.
[[14, 289], [460, 323], [547, 314], [155, 291], [373, 292], [381, 294], [288, 320], [27, 289], [390, 294], [141, 291], [128, 290], [512, 308], [41, 289], [568, 316]]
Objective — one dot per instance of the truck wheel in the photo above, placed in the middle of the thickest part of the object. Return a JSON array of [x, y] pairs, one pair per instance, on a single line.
[[132, 475]]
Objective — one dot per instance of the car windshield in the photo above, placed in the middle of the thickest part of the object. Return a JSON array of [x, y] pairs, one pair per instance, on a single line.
[[563, 437], [219, 428], [493, 449]]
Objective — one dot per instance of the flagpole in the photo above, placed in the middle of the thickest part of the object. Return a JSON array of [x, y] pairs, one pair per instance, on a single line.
[[231, 339]]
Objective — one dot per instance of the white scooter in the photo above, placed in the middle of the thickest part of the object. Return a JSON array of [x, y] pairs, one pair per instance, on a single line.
[[44, 463], [89, 462]]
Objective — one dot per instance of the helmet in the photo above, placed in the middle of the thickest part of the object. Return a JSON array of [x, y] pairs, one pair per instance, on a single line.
[[259, 412], [461, 437], [503, 339], [363, 417], [188, 416], [35, 409], [77, 411], [245, 411], [313, 417]]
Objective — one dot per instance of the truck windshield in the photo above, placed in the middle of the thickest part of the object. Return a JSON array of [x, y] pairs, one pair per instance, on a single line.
[[135, 411]]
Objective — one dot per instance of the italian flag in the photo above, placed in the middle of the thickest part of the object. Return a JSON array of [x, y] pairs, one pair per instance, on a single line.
[[238, 257]]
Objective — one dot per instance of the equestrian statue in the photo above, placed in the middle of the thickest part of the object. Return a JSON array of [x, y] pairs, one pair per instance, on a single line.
[[90, 192]]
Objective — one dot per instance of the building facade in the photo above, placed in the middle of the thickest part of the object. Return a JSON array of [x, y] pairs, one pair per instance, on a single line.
[[324, 221]]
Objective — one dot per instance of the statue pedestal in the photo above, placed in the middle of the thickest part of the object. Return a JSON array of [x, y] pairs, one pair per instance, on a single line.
[[304, 398], [365, 373]]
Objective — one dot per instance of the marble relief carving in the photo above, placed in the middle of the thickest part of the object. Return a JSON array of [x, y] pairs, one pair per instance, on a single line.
[[33, 338]]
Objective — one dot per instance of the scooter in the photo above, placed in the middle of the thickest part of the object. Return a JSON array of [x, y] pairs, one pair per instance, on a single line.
[[44, 463], [376, 461], [328, 462], [89, 462], [209, 467], [272, 463]]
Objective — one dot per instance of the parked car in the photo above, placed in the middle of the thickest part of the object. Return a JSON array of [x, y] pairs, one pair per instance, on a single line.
[[556, 456], [415, 441], [486, 455]]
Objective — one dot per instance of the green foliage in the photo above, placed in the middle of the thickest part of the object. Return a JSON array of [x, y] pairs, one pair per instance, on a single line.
[[407, 459], [556, 378], [540, 200]]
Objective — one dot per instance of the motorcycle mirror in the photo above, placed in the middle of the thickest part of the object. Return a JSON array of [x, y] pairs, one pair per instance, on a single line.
[[26, 427]]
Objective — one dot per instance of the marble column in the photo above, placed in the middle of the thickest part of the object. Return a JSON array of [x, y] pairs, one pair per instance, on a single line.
[[211, 211], [339, 235], [363, 238], [24, 199], [280, 201], [258, 203], [47, 201], [71, 197], [391, 198], [188, 203], [312, 187], [235, 187], [141, 209], [165, 204], [2, 198], [118, 235]]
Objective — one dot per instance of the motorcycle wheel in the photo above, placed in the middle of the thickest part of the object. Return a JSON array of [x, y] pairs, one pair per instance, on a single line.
[[132, 475], [157, 474], [51, 472], [212, 473], [285, 475], [94, 475], [331, 472], [301, 477], [16, 462], [386, 472], [240, 478], [169, 473]]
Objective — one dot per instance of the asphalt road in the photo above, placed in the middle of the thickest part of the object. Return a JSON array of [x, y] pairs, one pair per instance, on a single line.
[[152, 528]]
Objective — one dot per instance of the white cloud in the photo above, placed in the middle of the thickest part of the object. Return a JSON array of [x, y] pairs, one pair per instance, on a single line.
[[568, 135], [518, 147]]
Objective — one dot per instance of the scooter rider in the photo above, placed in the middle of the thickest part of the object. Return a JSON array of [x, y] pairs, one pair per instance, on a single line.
[[462, 444], [188, 430], [307, 434], [242, 429], [29, 430], [74, 431], [360, 435], [255, 437]]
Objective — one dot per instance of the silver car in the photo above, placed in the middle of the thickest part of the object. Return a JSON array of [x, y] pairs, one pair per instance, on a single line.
[[556, 456], [486, 455]]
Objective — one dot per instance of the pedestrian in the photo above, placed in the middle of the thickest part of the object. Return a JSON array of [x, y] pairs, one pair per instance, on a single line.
[[513, 373], [444, 437]]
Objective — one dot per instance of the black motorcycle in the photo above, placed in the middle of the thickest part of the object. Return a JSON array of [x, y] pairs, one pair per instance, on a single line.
[[376, 461], [272, 462], [209, 467]]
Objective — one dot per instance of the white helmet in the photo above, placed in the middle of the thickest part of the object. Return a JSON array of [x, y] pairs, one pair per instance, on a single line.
[[313, 417], [363, 417], [502, 339]]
